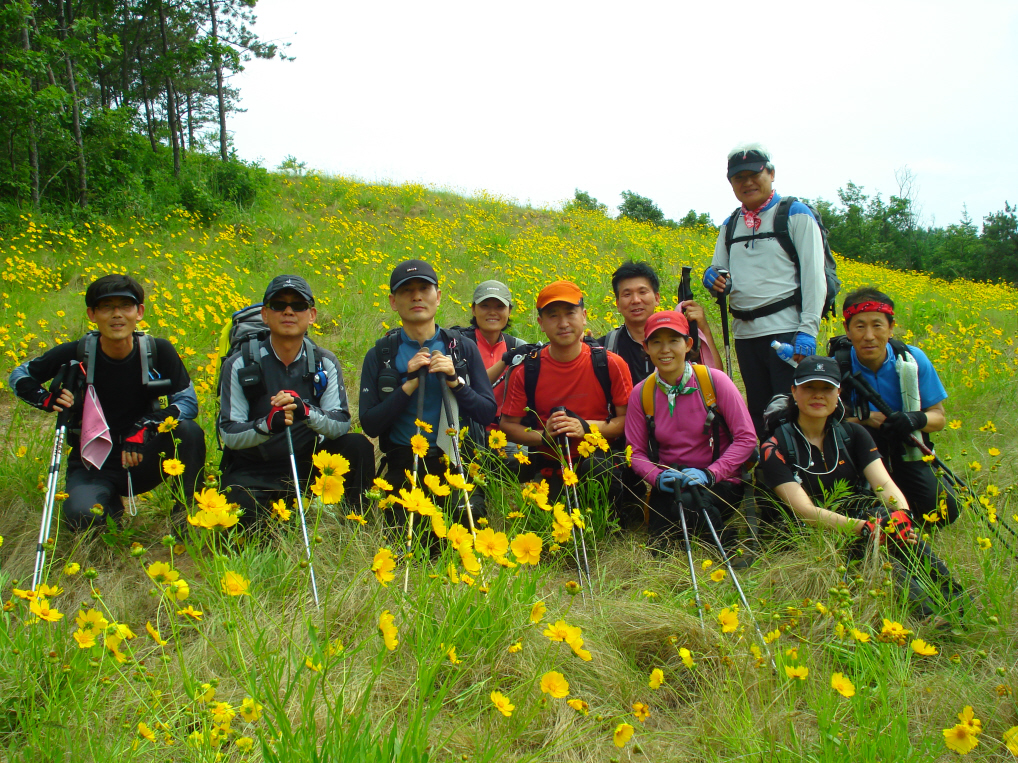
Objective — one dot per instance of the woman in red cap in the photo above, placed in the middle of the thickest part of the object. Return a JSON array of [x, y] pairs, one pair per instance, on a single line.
[[688, 443]]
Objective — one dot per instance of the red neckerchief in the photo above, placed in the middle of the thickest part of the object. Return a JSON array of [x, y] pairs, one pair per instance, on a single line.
[[752, 218]]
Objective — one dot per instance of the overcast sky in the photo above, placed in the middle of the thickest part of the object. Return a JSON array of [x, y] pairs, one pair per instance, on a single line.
[[530, 100]]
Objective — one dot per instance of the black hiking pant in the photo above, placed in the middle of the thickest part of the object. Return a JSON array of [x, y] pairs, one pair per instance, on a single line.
[[256, 484], [764, 374], [919, 483], [87, 487], [718, 502]]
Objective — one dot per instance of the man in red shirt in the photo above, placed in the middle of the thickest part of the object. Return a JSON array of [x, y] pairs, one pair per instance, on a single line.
[[590, 383]]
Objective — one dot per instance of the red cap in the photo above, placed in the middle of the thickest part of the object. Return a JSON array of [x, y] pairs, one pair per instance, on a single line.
[[559, 291], [666, 319]]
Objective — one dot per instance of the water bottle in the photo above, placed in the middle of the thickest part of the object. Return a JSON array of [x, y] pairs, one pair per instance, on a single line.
[[785, 351]]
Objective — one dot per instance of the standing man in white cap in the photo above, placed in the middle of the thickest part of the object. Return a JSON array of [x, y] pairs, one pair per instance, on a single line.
[[769, 257]]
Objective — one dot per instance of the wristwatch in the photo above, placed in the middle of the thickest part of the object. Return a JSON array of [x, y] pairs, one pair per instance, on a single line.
[[460, 383]]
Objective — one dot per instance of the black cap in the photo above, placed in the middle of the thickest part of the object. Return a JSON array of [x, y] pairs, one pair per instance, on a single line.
[[119, 293], [409, 270], [280, 283], [747, 160], [817, 368]]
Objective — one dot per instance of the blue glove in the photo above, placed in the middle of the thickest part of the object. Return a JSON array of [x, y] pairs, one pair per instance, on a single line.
[[666, 480], [805, 344], [690, 477], [710, 275]]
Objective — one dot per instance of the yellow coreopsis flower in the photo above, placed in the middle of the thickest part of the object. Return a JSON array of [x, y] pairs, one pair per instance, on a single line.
[[151, 630], [382, 485], [234, 584], [569, 477], [657, 678], [72, 568], [460, 538], [955, 424], [244, 744], [173, 467], [963, 737], [641, 711], [718, 575], [457, 481], [585, 449], [424, 426], [329, 488], [984, 543], [1011, 740], [330, 464], [559, 631], [145, 732], [250, 710], [434, 483], [161, 572], [921, 647], [490, 543], [687, 657], [842, 685], [623, 733], [537, 612], [502, 703], [522, 458], [527, 548], [579, 706], [797, 671], [383, 566], [416, 501], [91, 621], [497, 439], [279, 510], [555, 684], [729, 619], [41, 609], [893, 632], [389, 632], [189, 611], [84, 638], [167, 425], [419, 445]]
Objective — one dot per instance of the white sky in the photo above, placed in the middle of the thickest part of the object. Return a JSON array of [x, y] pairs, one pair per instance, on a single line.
[[531, 100]]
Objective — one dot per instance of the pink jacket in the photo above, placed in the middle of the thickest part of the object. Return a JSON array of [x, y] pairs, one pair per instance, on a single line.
[[680, 436]]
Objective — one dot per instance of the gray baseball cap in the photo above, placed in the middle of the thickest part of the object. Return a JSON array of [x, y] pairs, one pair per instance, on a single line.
[[281, 283], [495, 289]]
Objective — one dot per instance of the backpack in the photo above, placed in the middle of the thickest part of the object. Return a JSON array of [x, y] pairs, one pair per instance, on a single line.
[[151, 379], [840, 348], [784, 238], [599, 358], [712, 423], [243, 335]]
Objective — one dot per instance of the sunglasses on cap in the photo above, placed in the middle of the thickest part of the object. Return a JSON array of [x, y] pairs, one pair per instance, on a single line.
[[280, 305]]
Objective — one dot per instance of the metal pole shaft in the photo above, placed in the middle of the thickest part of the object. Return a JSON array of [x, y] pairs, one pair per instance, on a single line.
[[422, 377], [52, 480], [689, 558], [576, 500], [300, 510]]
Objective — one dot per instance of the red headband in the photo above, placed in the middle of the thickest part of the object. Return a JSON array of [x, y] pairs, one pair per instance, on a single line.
[[867, 307]]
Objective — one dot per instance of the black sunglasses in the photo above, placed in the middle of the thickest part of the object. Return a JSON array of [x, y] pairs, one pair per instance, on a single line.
[[280, 305]]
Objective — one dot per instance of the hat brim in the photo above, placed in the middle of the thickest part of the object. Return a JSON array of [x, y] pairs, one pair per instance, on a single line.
[[503, 300], [299, 292], [123, 293], [756, 166], [670, 328], [429, 279], [828, 379]]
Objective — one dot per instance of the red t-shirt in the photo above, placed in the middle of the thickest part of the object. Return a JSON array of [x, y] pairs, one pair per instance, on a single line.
[[490, 355], [574, 385]]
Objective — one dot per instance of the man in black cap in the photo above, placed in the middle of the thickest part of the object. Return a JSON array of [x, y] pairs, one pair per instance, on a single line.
[[774, 253], [390, 378], [128, 385], [288, 381]]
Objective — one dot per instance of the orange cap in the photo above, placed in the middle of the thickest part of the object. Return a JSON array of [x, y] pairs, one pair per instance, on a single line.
[[559, 291]]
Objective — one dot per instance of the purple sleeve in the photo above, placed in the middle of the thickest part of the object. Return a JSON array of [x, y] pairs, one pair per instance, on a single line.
[[636, 436], [740, 425]]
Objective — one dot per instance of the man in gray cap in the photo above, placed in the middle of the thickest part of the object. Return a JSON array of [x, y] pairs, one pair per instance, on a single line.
[[281, 380]]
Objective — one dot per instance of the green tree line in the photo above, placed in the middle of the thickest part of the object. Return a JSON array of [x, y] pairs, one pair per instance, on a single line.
[[107, 102]]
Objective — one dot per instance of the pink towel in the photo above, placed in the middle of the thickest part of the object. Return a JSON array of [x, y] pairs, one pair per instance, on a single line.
[[96, 442]]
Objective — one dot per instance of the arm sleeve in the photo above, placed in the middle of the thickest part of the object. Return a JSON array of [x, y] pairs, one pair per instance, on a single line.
[[805, 233], [622, 379], [377, 415], [720, 259], [27, 379], [931, 389], [740, 426], [776, 470], [636, 436], [235, 429], [331, 417], [476, 399]]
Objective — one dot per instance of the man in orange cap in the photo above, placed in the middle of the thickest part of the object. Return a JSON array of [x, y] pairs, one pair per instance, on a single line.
[[572, 386]]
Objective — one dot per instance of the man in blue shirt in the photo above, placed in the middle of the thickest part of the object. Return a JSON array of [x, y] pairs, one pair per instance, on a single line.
[[390, 378], [906, 380]]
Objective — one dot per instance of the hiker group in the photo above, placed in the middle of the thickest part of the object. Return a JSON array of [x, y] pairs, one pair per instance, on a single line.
[[646, 418]]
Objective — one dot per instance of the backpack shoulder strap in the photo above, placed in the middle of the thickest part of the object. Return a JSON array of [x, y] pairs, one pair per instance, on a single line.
[[87, 347], [781, 229], [599, 359], [843, 439], [712, 422], [788, 444], [733, 221], [647, 401], [149, 356], [386, 348], [611, 342], [531, 370], [899, 347]]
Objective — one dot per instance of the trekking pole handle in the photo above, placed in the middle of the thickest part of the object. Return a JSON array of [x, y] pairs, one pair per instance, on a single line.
[[451, 377]]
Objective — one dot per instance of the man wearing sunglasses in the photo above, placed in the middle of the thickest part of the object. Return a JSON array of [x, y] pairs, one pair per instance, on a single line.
[[287, 382]]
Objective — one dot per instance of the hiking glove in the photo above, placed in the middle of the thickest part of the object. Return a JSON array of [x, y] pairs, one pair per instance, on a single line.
[[303, 410], [690, 477], [145, 428], [522, 351], [902, 424], [805, 345], [894, 528], [666, 480], [275, 419], [710, 275]]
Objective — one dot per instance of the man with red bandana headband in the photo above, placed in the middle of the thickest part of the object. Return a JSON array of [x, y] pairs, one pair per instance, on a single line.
[[770, 298], [904, 377]]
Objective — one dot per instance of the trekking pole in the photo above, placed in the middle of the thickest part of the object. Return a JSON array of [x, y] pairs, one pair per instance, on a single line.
[[53, 476], [723, 306], [685, 294], [585, 566], [300, 510], [689, 558], [447, 397], [865, 389], [738, 588], [421, 379]]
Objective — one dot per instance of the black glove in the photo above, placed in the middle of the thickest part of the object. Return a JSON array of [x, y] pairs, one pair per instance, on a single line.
[[303, 410], [522, 351], [699, 508], [145, 428], [894, 527], [901, 424]]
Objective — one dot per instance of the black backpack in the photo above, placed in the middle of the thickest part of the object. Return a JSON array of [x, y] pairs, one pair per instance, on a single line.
[[840, 348], [784, 238]]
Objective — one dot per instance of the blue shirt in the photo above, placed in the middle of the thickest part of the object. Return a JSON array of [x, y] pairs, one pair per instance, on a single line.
[[404, 428], [885, 380]]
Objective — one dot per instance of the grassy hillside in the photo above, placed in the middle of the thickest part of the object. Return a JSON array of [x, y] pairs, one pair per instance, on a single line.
[[327, 681]]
